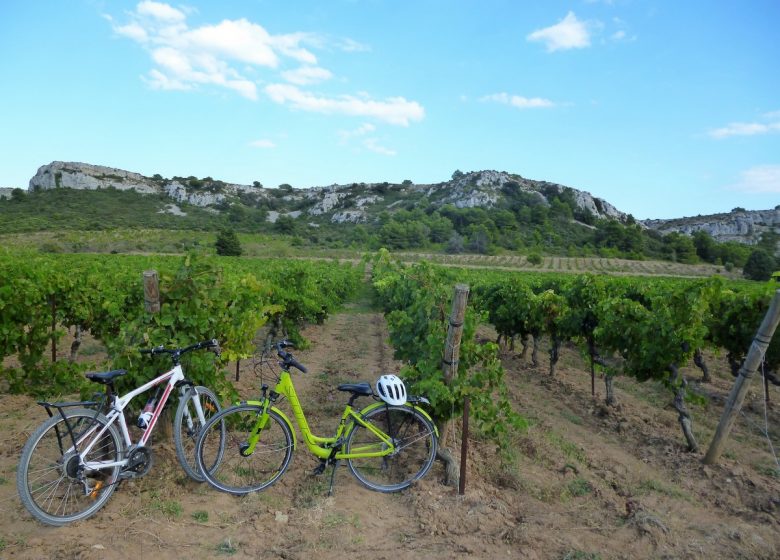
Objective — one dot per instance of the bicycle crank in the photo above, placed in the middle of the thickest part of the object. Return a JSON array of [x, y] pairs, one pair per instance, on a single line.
[[139, 463]]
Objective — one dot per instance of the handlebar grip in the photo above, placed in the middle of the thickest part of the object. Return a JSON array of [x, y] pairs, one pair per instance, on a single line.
[[294, 363]]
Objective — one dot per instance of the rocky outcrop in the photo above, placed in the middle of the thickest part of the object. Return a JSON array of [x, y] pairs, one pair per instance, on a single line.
[[60, 174], [360, 203], [85, 176], [484, 189], [743, 226]]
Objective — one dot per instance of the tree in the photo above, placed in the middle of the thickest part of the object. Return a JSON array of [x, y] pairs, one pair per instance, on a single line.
[[286, 225], [228, 244], [705, 246], [680, 248], [759, 265], [479, 240], [455, 243]]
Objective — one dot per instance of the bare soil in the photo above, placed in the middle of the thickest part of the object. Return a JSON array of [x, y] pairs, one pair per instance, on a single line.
[[585, 481]]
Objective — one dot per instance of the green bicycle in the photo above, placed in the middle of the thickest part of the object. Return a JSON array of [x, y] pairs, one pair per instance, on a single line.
[[387, 445]]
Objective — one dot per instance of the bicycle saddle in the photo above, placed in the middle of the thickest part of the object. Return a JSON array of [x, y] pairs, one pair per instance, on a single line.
[[363, 389], [106, 377]]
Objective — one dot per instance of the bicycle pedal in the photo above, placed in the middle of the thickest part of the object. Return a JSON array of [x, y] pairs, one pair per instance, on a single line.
[[319, 469], [96, 490]]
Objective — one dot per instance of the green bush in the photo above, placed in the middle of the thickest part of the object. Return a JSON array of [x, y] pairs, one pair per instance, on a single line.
[[535, 258], [227, 244]]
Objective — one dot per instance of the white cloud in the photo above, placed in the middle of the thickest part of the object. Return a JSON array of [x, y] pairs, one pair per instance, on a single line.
[[519, 101], [362, 130], [761, 179], [569, 33], [372, 144], [158, 80], [234, 40], [186, 57], [350, 45], [133, 31], [745, 129], [306, 75], [393, 110], [368, 142], [226, 53], [159, 10], [265, 144]]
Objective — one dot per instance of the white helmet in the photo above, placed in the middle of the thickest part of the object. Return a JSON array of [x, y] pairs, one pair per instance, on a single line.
[[391, 389]]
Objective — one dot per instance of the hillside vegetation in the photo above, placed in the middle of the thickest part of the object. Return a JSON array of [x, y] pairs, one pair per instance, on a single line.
[[519, 223]]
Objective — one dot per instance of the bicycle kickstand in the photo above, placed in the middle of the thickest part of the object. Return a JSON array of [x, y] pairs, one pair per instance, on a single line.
[[332, 477]]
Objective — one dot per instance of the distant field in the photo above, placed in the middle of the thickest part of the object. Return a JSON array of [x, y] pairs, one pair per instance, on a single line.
[[262, 245], [577, 265]]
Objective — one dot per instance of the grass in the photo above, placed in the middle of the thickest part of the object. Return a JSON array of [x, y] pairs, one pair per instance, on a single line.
[[169, 508], [770, 470], [227, 547], [573, 418], [336, 519], [570, 450], [579, 487], [581, 555], [309, 493], [91, 348], [200, 516], [650, 485]]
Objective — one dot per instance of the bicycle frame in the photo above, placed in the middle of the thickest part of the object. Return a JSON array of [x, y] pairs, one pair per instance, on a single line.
[[323, 447], [173, 377]]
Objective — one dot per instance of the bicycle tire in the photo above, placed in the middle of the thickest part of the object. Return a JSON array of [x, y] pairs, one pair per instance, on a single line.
[[416, 443], [185, 436], [239, 473], [46, 478]]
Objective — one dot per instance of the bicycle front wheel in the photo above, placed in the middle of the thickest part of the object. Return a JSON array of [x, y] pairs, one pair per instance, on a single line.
[[187, 426], [53, 482], [243, 468], [415, 442]]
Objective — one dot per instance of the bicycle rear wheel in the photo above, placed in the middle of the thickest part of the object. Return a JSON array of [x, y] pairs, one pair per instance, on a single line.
[[240, 470], [187, 427], [52, 482], [415, 441]]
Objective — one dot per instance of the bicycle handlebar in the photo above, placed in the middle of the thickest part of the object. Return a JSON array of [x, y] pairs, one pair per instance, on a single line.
[[175, 353], [288, 360]]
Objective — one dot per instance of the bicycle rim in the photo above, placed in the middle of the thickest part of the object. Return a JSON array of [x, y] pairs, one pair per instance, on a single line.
[[187, 429], [50, 484], [415, 442], [241, 471]]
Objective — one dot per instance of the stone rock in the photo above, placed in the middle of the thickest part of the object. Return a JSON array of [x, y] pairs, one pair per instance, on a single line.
[[741, 226]]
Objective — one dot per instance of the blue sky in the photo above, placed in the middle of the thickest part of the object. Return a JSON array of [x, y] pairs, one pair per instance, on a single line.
[[663, 108]]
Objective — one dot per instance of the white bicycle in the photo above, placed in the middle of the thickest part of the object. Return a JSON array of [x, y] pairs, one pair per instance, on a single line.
[[71, 464]]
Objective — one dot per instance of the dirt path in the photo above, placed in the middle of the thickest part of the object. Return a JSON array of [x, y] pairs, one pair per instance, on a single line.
[[585, 481]]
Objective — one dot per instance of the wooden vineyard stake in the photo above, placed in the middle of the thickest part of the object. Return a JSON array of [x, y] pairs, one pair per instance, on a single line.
[[151, 291], [749, 367], [449, 370]]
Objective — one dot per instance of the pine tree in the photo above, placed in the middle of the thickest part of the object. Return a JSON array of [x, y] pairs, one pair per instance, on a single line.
[[227, 243]]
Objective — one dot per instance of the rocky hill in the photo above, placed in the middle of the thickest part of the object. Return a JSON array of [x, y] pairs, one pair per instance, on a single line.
[[353, 203], [364, 202], [743, 226]]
